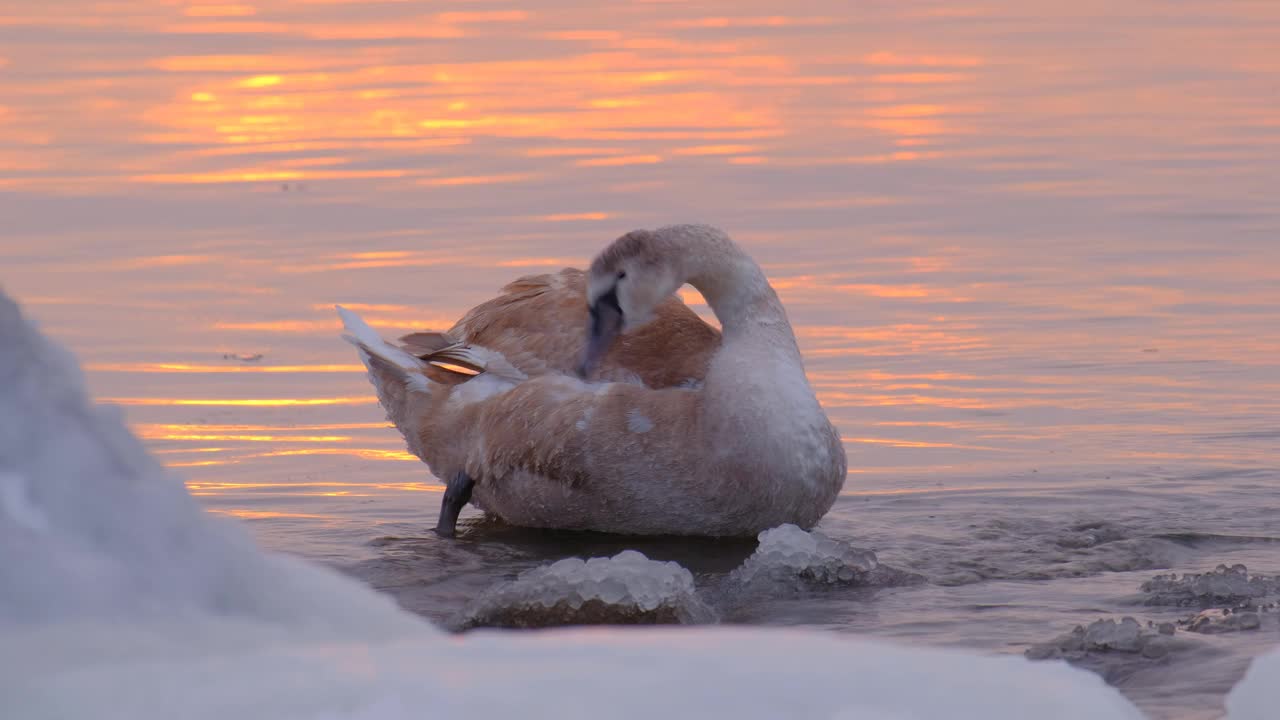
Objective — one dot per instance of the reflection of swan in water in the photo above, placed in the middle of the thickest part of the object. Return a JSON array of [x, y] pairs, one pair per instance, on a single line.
[[678, 430]]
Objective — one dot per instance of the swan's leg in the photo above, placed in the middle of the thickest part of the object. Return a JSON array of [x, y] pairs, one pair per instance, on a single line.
[[457, 493]]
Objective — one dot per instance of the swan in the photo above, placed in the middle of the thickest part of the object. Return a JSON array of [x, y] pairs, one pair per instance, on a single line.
[[651, 422]]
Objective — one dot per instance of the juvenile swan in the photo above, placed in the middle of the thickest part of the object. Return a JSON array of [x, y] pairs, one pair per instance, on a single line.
[[654, 423]]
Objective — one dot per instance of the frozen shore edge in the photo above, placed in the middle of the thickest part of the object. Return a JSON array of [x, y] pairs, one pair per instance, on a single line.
[[121, 598]]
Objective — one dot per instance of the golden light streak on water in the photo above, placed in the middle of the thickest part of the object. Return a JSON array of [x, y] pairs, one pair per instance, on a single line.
[[574, 217], [362, 453], [920, 444], [247, 438], [239, 402], [219, 486], [202, 368], [238, 427], [244, 514]]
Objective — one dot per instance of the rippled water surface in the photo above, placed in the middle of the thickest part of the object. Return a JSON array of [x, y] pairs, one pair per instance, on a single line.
[[1031, 251]]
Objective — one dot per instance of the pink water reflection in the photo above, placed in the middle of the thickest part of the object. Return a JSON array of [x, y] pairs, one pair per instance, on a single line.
[[1007, 240]]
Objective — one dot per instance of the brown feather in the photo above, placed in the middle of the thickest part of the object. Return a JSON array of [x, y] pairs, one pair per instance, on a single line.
[[539, 324], [425, 343]]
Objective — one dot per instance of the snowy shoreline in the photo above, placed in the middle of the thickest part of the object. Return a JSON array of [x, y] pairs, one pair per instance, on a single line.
[[121, 598]]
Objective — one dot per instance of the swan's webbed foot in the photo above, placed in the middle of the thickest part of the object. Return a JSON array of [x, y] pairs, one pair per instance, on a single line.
[[457, 493]]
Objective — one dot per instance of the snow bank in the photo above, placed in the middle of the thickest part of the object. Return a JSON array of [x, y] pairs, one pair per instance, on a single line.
[[92, 527], [654, 673], [627, 589], [119, 598], [1257, 696]]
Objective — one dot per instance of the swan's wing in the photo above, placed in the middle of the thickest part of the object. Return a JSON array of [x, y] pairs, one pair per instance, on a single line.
[[566, 431], [425, 343], [539, 324]]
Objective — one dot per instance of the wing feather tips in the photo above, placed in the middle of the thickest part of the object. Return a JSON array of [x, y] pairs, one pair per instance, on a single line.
[[390, 368], [459, 359], [362, 336], [358, 331], [425, 343]]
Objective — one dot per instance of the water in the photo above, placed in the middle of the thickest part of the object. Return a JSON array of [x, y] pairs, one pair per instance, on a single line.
[[1030, 251]]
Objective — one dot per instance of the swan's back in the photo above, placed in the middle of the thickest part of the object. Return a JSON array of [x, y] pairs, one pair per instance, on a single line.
[[538, 324]]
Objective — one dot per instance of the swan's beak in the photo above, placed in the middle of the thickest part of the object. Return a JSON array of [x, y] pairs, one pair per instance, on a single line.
[[604, 326]]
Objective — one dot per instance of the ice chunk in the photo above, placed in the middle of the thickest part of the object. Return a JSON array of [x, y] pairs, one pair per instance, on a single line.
[[1221, 620], [1223, 587], [792, 556], [1105, 636], [1123, 636], [626, 589]]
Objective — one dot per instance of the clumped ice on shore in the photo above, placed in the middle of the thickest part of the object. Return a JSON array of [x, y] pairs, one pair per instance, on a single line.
[[626, 589], [1222, 587]]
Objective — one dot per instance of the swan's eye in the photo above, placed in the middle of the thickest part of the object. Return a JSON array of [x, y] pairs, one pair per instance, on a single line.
[[622, 274]]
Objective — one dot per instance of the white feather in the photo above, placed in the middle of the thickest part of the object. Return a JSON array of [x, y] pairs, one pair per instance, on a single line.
[[366, 338], [368, 342]]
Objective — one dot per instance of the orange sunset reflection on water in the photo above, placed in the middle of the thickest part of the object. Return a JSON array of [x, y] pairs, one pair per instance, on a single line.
[[1008, 242]]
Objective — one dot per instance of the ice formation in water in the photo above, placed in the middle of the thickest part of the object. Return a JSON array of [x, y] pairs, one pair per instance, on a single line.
[[792, 556], [1125, 636], [1230, 589], [1223, 587], [627, 588], [1221, 620]]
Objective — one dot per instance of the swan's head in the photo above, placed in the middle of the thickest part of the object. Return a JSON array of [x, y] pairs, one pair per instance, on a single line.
[[626, 284]]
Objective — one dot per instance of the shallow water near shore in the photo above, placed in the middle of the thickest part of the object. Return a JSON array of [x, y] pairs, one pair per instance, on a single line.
[[1030, 252]]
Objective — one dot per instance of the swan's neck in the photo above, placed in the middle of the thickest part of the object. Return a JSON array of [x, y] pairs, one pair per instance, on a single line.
[[737, 291], [757, 405]]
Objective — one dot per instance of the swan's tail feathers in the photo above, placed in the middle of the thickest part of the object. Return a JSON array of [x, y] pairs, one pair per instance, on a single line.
[[395, 374], [370, 343]]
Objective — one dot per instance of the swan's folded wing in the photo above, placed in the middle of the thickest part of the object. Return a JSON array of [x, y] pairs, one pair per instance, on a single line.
[[425, 343], [570, 432], [539, 324]]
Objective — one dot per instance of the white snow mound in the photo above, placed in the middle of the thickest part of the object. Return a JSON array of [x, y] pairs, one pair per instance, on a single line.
[[92, 527], [1257, 696]]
